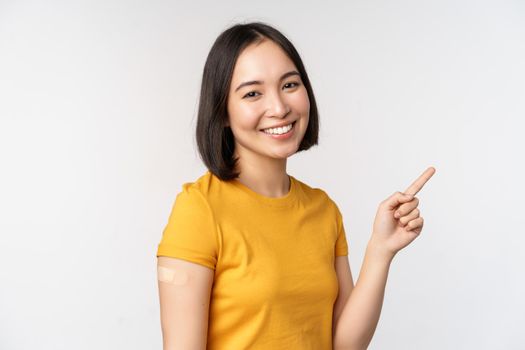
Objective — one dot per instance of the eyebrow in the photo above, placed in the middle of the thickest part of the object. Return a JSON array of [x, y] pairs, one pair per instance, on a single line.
[[255, 82]]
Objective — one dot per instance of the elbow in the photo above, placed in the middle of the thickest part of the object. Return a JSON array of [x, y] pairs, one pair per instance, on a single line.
[[348, 344], [350, 339], [349, 347]]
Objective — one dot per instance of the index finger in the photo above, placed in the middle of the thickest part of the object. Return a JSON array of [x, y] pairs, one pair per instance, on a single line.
[[417, 185]]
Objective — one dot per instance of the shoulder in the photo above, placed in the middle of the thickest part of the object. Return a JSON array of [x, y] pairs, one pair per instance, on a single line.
[[202, 187], [207, 191], [194, 194]]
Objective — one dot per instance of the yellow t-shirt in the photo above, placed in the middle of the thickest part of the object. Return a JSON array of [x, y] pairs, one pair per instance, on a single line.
[[275, 283]]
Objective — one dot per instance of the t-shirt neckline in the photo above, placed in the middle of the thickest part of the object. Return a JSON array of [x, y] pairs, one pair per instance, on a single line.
[[286, 200]]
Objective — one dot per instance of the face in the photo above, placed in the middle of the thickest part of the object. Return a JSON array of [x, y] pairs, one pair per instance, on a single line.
[[279, 98]]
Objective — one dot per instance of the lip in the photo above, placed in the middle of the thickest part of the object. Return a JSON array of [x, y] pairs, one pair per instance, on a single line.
[[279, 125]]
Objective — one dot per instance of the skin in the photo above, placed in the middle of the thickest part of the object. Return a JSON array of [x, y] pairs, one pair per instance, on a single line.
[[398, 221], [262, 159]]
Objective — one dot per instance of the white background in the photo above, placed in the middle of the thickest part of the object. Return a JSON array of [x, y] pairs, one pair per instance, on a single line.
[[98, 104]]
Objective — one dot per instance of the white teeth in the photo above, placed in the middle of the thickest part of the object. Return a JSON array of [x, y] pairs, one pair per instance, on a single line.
[[278, 131]]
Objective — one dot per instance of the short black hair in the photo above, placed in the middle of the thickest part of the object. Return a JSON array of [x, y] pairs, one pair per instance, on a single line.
[[215, 139]]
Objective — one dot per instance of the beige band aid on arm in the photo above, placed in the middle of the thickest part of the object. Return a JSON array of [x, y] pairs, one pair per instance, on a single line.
[[172, 276]]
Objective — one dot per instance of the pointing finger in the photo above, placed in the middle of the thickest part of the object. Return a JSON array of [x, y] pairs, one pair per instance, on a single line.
[[417, 185]]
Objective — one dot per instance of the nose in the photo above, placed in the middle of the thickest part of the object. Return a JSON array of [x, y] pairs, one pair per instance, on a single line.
[[277, 106]]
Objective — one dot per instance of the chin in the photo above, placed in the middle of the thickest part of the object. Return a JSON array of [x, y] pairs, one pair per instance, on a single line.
[[285, 155]]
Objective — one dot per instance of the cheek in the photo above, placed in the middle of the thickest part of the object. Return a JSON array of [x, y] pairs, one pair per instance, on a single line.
[[245, 117], [301, 102]]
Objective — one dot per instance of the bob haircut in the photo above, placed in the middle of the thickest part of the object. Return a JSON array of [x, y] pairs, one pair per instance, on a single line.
[[215, 140]]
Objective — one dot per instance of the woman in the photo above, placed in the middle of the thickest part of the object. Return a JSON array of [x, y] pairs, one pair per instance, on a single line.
[[251, 257]]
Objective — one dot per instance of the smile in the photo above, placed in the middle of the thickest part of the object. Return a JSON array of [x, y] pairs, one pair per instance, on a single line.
[[279, 131]]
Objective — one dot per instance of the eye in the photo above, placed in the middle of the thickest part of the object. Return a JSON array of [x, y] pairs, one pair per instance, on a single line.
[[293, 82], [248, 94]]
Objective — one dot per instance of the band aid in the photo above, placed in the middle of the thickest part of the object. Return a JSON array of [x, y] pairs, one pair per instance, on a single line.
[[172, 276]]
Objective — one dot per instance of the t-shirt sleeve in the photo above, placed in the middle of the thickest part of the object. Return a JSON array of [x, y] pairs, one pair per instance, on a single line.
[[190, 233], [341, 245]]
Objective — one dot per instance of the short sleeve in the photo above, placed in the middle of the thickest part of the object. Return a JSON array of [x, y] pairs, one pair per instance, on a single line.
[[341, 245], [190, 233]]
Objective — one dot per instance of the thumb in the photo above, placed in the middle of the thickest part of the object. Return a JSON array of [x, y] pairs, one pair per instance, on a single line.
[[398, 198]]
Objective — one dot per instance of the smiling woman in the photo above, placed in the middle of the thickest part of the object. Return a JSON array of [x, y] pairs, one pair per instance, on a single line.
[[260, 256]]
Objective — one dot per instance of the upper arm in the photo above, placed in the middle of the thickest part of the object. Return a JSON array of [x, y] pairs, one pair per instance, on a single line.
[[346, 285], [184, 305]]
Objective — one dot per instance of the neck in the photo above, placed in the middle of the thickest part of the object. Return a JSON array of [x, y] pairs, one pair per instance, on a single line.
[[266, 176]]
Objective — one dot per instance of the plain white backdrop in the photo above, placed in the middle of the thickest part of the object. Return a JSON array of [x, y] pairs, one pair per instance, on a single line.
[[98, 104]]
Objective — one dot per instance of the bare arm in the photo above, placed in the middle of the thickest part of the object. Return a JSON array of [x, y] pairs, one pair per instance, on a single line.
[[358, 320], [184, 293], [346, 285]]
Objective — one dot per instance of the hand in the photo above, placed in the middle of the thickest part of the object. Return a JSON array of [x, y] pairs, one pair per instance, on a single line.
[[391, 233]]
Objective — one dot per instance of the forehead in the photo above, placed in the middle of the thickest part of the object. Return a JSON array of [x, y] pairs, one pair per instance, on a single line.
[[262, 60]]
